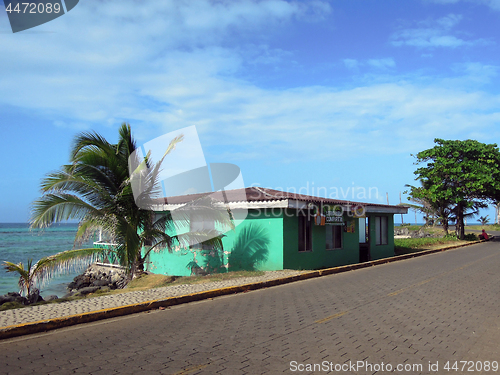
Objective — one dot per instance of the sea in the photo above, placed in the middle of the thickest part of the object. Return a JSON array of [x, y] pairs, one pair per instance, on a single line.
[[19, 243]]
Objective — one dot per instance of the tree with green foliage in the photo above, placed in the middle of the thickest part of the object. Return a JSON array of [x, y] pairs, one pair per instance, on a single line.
[[29, 277], [95, 188], [484, 220], [464, 173], [434, 212]]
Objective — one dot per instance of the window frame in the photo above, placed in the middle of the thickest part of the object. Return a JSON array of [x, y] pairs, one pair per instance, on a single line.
[[340, 231], [381, 230], [305, 234], [194, 226]]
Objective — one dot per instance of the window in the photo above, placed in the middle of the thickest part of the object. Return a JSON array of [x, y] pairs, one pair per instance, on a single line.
[[381, 223], [305, 234], [334, 237], [197, 224], [363, 230]]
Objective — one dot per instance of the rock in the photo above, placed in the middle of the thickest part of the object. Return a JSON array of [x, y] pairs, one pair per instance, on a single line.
[[51, 297], [21, 299], [13, 297], [87, 290], [34, 296], [83, 282], [401, 231], [69, 294], [103, 282], [5, 299], [115, 278], [100, 275]]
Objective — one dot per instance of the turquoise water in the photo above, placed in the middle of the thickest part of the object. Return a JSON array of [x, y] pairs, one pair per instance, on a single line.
[[18, 244]]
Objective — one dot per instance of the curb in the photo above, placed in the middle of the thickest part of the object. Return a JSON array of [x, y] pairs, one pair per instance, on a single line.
[[66, 321]]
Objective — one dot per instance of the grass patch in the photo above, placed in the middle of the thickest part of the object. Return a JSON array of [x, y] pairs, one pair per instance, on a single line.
[[412, 245], [150, 281], [11, 305], [410, 227], [216, 277], [494, 227]]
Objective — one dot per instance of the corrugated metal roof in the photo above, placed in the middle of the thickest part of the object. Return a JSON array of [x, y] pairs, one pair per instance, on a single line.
[[259, 194]]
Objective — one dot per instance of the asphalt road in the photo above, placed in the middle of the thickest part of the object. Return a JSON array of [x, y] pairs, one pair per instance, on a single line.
[[414, 316]]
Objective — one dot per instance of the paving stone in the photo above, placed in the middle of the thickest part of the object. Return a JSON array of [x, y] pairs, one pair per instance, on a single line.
[[439, 307]]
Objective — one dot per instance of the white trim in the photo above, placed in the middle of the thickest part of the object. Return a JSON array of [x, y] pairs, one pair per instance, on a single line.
[[232, 205], [285, 203], [386, 210]]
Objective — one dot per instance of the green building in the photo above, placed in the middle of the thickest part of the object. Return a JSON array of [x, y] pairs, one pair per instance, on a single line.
[[277, 230]]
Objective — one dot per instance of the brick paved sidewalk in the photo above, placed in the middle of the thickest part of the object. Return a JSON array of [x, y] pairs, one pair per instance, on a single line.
[[81, 306]]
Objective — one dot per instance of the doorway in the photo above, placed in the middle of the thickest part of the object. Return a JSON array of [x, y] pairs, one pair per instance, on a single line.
[[364, 240]]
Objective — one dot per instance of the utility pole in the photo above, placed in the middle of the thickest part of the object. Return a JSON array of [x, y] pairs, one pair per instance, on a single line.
[[401, 204]]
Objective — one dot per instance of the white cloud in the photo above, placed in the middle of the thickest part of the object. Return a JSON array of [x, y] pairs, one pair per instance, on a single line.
[[351, 63], [434, 33], [493, 4], [382, 63], [164, 66]]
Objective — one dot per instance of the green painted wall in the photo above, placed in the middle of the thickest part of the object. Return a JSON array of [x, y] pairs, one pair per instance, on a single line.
[[255, 243], [381, 251], [319, 257], [268, 240], [261, 232]]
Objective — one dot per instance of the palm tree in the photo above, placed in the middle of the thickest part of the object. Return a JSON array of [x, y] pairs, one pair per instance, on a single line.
[[30, 276], [96, 189], [484, 220], [434, 212]]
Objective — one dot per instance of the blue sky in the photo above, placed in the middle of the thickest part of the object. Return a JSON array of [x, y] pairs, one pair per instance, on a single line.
[[323, 96]]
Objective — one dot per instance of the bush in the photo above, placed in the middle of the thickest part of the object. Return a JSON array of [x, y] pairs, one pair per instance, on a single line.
[[471, 237]]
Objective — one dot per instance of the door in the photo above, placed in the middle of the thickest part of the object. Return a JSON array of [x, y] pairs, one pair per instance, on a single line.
[[364, 240]]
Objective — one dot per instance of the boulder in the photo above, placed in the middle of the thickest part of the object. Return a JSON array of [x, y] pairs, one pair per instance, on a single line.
[[34, 296], [87, 290], [13, 297], [100, 275], [102, 282]]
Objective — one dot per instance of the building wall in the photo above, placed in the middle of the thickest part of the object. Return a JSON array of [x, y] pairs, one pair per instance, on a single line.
[[382, 251], [256, 243], [268, 240], [319, 257]]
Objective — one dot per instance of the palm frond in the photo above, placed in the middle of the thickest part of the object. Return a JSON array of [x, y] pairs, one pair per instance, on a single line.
[[66, 262], [53, 208]]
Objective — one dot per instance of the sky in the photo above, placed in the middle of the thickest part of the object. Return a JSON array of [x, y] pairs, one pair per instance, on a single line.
[[326, 98]]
